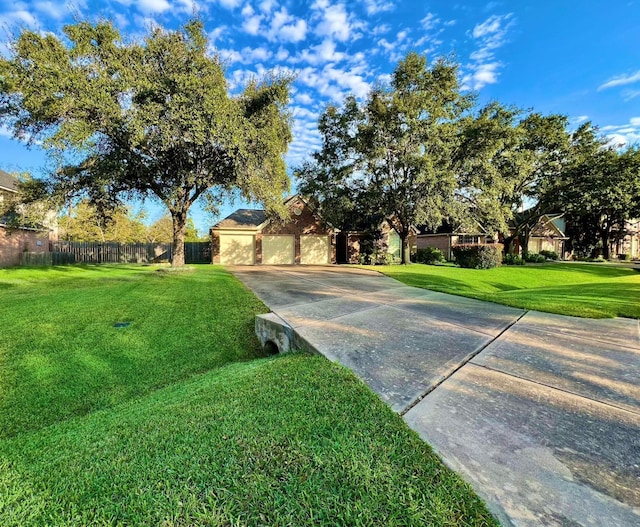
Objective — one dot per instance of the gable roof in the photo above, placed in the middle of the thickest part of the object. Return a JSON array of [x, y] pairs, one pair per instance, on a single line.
[[243, 219], [548, 226], [8, 182]]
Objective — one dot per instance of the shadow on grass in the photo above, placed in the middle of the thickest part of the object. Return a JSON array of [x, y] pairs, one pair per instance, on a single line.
[[61, 356]]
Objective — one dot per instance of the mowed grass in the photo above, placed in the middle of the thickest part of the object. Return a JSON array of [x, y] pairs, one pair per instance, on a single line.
[[189, 431], [582, 290], [61, 356]]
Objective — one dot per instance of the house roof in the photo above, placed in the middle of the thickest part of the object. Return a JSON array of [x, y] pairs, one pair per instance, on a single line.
[[243, 219], [8, 182]]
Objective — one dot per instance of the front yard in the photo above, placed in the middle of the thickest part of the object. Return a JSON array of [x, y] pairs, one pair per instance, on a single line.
[[175, 420], [582, 290]]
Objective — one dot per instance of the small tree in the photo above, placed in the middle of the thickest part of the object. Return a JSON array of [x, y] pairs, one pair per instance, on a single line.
[[152, 118]]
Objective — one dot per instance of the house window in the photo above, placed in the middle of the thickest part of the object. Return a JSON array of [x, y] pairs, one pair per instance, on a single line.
[[468, 239]]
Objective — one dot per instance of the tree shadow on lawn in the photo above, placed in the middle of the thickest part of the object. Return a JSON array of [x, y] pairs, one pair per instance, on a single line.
[[599, 300], [595, 269], [433, 282]]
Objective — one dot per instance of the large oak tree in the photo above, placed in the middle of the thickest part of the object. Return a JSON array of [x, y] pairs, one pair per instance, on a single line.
[[394, 150], [152, 118]]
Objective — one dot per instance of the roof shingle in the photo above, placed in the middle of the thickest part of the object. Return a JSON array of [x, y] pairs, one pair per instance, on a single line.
[[8, 182], [243, 219]]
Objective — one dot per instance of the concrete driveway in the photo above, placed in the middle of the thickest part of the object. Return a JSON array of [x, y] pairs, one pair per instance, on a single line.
[[540, 413]]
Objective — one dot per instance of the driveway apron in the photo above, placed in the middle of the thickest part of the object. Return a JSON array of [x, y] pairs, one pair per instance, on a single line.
[[540, 413]]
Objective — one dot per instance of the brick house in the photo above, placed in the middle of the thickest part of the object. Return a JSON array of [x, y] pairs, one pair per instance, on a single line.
[[249, 237], [16, 240], [449, 234]]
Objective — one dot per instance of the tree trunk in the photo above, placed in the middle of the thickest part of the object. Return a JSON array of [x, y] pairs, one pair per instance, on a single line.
[[605, 244], [404, 246], [507, 243], [179, 224], [525, 235]]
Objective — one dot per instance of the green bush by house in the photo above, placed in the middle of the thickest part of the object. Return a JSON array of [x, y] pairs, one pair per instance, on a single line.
[[429, 256], [478, 256]]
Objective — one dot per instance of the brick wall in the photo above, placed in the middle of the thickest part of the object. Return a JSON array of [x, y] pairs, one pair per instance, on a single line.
[[306, 223], [15, 241], [439, 241]]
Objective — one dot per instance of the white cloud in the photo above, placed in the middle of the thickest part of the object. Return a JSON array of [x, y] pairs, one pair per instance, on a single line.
[[188, 6], [378, 6], [486, 74], [580, 119], [266, 6], [251, 25], [630, 94], [230, 4], [322, 53], [52, 9], [430, 21], [379, 30], [153, 6], [6, 132], [286, 27], [20, 17], [621, 80], [230, 55], [335, 22], [282, 54], [255, 54], [217, 33], [623, 135], [303, 98], [490, 35], [488, 27], [294, 32]]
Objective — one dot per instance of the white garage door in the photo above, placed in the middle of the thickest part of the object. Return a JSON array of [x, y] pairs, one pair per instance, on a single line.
[[237, 249], [277, 249], [314, 250]]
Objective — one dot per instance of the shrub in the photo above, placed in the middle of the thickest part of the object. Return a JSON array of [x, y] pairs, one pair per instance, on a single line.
[[389, 259], [512, 259], [534, 258], [429, 256], [626, 257], [549, 255], [478, 256]]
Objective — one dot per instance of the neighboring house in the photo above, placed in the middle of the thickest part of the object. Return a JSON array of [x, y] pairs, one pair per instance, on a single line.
[[548, 234], [350, 245], [249, 237], [14, 240], [629, 243], [450, 234]]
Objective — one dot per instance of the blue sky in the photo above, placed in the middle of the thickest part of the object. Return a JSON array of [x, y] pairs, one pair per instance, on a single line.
[[580, 59]]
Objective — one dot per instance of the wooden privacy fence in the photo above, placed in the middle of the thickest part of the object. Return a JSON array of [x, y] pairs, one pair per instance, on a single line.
[[96, 253]]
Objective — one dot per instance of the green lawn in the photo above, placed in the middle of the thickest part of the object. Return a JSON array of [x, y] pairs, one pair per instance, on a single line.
[[583, 290], [174, 420]]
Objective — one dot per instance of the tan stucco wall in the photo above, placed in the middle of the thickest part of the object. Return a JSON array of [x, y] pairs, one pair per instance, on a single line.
[[15, 241]]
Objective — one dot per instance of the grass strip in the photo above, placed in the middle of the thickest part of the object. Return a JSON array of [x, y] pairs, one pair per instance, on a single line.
[[292, 440]]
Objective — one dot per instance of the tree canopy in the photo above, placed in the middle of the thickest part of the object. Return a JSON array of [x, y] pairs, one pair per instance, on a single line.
[[152, 118], [394, 151]]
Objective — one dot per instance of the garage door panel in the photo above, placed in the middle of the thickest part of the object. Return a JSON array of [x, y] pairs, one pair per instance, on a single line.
[[314, 250], [277, 249], [237, 249]]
